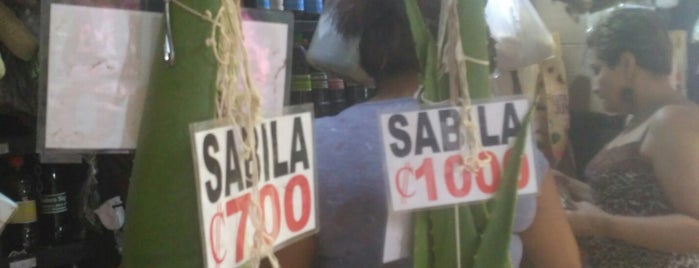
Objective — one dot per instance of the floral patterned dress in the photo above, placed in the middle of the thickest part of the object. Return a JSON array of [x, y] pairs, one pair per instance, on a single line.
[[624, 183]]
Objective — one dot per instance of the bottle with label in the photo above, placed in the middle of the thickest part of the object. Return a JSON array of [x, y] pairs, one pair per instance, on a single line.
[[262, 4], [313, 9], [337, 93], [53, 205], [321, 94], [356, 93], [295, 6], [370, 89], [21, 234], [301, 90]]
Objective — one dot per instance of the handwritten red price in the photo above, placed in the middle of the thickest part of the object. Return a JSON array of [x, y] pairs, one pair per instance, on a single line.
[[269, 194], [425, 171]]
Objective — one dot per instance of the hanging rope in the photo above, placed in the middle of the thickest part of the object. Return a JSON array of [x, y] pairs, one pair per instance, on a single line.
[[454, 62], [239, 101]]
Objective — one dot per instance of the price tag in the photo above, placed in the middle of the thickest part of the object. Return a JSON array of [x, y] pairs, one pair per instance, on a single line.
[[287, 188], [25, 263], [423, 154]]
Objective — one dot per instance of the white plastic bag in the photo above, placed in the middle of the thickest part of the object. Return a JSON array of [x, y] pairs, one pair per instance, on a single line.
[[521, 37], [334, 53]]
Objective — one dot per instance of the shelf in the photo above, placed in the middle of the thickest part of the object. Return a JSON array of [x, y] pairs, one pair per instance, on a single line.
[[305, 26]]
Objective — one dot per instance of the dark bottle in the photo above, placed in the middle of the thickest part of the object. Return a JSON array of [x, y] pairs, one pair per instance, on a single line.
[[356, 93], [300, 79], [371, 89], [21, 234], [321, 94], [313, 9], [263, 4], [337, 93], [53, 205], [297, 7]]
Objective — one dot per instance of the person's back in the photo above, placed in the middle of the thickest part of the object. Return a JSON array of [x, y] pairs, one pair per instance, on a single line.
[[352, 196], [351, 188]]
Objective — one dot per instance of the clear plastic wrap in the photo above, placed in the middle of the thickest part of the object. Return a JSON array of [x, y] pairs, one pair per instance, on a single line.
[[521, 37], [334, 53]]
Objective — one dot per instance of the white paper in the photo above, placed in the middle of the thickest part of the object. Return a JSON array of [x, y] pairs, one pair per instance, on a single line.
[[266, 44], [398, 236], [424, 172], [287, 198], [7, 208], [99, 66]]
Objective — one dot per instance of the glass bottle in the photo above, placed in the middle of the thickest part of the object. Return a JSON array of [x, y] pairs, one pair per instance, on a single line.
[[21, 234], [321, 94], [337, 93], [53, 205]]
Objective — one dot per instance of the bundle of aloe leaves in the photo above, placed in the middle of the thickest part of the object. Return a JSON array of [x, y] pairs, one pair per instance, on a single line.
[[476, 234]]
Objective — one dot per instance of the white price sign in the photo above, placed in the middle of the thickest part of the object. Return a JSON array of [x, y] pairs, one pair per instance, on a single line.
[[287, 188], [423, 154]]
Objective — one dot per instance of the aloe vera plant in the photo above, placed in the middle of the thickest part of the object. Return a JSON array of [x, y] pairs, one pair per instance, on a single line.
[[163, 226], [483, 233]]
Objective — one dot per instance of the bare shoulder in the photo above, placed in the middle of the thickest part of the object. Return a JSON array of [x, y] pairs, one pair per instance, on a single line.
[[672, 125], [675, 119]]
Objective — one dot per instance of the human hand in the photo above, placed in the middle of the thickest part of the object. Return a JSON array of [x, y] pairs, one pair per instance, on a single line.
[[588, 220], [572, 188]]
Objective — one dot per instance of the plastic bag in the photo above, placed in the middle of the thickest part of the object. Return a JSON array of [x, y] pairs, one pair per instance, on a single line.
[[521, 37], [334, 53]]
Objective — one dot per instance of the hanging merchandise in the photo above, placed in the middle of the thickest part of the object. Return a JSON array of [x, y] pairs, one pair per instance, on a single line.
[[18, 66], [162, 225], [462, 236], [521, 37], [334, 53], [555, 119], [210, 79], [15, 36], [678, 77]]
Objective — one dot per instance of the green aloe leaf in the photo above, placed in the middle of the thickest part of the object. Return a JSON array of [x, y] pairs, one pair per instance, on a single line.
[[419, 30], [480, 216], [468, 233], [494, 246], [421, 241], [426, 50], [443, 237], [163, 227], [474, 40]]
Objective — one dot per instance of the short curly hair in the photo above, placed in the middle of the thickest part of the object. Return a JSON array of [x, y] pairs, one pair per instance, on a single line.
[[386, 48], [641, 32]]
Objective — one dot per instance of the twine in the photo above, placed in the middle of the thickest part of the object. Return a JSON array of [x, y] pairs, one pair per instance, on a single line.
[[454, 61], [239, 101]]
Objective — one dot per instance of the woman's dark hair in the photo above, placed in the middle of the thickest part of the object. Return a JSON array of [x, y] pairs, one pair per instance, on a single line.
[[642, 32], [386, 48]]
